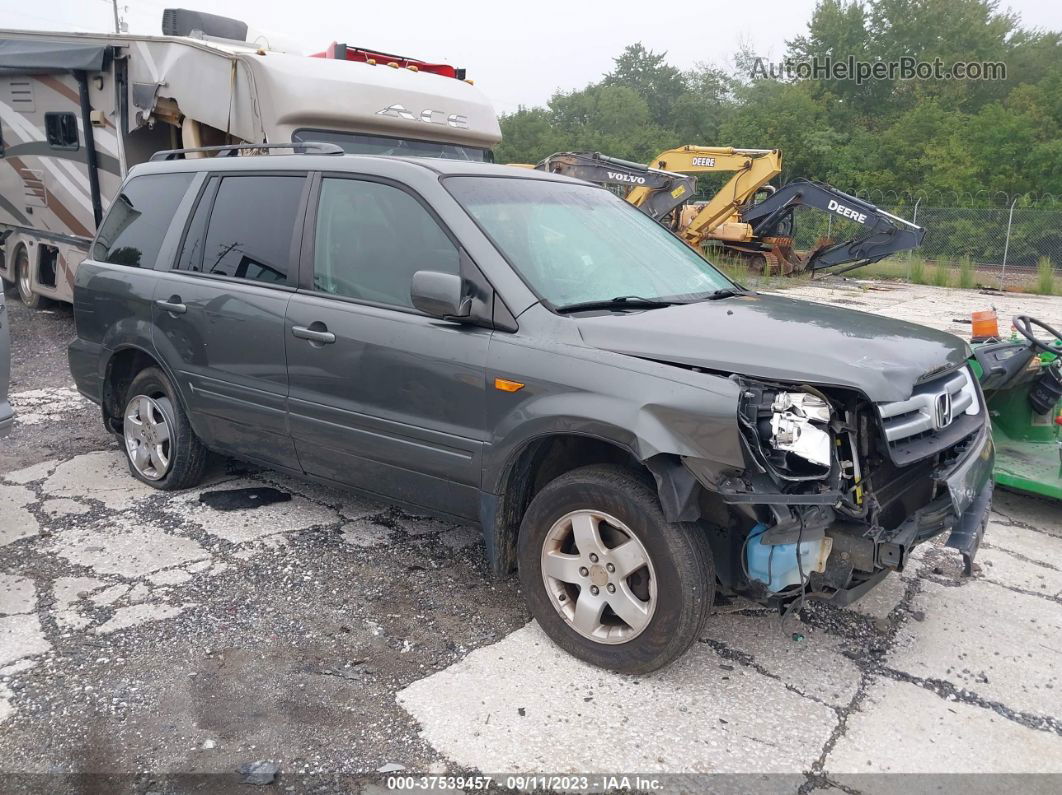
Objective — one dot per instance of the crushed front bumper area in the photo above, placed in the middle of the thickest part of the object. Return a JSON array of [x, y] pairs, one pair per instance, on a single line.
[[859, 554]]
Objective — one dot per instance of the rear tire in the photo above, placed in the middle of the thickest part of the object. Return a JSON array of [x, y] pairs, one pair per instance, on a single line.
[[600, 535], [160, 446]]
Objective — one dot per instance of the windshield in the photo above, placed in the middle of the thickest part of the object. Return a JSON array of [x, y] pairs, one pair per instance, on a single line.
[[576, 243], [361, 144]]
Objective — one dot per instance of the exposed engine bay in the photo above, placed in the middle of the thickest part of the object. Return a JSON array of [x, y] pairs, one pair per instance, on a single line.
[[836, 496]]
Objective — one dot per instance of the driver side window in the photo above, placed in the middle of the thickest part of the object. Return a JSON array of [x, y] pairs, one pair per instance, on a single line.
[[370, 240]]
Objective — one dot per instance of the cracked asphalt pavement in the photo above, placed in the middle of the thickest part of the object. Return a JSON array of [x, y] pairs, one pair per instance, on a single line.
[[144, 635]]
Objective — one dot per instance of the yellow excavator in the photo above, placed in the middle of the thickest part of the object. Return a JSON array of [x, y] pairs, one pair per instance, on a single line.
[[748, 216]]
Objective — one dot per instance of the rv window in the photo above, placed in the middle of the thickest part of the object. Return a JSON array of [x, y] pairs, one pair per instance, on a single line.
[[251, 226], [61, 130], [372, 238], [139, 218], [360, 144]]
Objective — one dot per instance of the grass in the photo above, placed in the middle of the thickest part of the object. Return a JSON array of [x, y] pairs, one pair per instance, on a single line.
[[1045, 276], [917, 270], [942, 275], [966, 274]]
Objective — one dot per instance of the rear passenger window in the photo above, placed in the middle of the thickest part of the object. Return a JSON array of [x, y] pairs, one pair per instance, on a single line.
[[139, 218], [249, 231], [371, 239]]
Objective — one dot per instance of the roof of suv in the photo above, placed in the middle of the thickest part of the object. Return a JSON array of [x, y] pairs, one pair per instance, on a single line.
[[317, 162]]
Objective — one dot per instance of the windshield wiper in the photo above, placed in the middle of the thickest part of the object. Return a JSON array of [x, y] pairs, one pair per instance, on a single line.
[[619, 302], [726, 292]]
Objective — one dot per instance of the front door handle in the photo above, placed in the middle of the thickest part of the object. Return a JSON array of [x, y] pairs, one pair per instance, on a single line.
[[173, 305], [320, 335]]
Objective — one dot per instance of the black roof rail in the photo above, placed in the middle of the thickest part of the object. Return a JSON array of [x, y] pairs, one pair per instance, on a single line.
[[230, 150]]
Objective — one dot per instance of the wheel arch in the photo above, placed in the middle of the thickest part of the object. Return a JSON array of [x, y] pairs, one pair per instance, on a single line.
[[534, 463], [122, 366]]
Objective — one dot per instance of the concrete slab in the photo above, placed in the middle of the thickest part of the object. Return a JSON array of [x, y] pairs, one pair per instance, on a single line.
[[936, 307], [17, 595], [31, 473], [103, 476], [15, 521], [124, 547], [37, 406], [366, 534], [1003, 646], [251, 524], [881, 600], [903, 728], [1007, 569], [1023, 510], [64, 507], [814, 666], [21, 636], [135, 615], [170, 577], [546, 711], [1039, 547]]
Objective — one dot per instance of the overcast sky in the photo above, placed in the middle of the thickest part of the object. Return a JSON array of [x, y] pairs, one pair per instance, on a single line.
[[518, 53]]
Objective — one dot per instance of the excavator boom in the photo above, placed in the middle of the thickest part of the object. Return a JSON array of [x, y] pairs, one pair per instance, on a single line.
[[882, 232], [753, 169], [659, 191]]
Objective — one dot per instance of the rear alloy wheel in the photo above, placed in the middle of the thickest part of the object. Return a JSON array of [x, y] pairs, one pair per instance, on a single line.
[[24, 281], [607, 577], [160, 445], [147, 436]]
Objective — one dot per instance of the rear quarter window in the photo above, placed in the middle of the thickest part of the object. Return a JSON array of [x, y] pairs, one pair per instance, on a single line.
[[139, 218]]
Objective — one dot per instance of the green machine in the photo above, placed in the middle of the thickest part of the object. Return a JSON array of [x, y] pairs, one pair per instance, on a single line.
[[1022, 382]]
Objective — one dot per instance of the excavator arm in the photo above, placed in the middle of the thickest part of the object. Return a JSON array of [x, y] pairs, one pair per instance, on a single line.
[[882, 232], [753, 169], [659, 191]]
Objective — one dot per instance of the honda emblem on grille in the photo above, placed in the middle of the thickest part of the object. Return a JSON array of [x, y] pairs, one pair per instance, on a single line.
[[943, 410]]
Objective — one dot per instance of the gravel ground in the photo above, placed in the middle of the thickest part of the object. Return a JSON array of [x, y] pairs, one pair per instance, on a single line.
[[148, 638]]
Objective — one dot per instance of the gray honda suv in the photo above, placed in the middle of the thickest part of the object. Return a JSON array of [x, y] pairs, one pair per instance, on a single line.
[[634, 432]]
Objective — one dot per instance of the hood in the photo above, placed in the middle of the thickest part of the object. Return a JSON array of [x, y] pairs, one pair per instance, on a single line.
[[781, 339]]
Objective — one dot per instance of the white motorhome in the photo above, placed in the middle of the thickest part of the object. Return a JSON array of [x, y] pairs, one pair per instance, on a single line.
[[78, 110]]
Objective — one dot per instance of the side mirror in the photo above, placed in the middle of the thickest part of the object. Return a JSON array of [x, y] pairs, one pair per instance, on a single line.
[[440, 294]]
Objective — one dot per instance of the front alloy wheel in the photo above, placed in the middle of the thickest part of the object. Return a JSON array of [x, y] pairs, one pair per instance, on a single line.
[[147, 436], [599, 576], [607, 577]]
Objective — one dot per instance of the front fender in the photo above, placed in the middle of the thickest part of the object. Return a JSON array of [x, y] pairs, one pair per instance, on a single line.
[[645, 407]]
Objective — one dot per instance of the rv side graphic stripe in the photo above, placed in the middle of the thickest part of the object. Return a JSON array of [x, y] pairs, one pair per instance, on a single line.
[[104, 139], [41, 149], [28, 132], [56, 206], [56, 85], [13, 211]]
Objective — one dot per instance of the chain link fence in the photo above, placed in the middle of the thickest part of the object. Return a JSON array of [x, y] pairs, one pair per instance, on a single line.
[[1008, 240]]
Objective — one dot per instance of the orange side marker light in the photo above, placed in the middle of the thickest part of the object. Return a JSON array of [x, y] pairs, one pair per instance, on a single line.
[[507, 386]]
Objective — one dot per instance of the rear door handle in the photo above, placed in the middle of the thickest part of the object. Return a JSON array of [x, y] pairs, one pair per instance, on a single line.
[[173, 306], [321, 336]]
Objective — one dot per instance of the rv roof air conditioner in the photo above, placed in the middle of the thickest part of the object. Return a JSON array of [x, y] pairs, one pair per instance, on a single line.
[[182, 22]]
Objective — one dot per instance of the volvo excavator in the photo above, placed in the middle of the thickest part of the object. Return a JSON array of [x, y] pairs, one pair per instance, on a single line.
[[747, 216]]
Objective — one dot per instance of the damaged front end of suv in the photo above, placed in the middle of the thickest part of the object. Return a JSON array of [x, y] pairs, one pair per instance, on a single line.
[[838, 489]]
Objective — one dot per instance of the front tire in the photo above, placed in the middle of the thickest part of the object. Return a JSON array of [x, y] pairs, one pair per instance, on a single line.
[[161, 448], [608, 578]]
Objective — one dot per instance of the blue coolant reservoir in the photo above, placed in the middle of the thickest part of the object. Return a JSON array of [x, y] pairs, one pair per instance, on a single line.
[[776, 565]]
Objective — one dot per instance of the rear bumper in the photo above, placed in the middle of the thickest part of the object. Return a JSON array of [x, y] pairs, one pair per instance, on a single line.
[[84, 359]]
